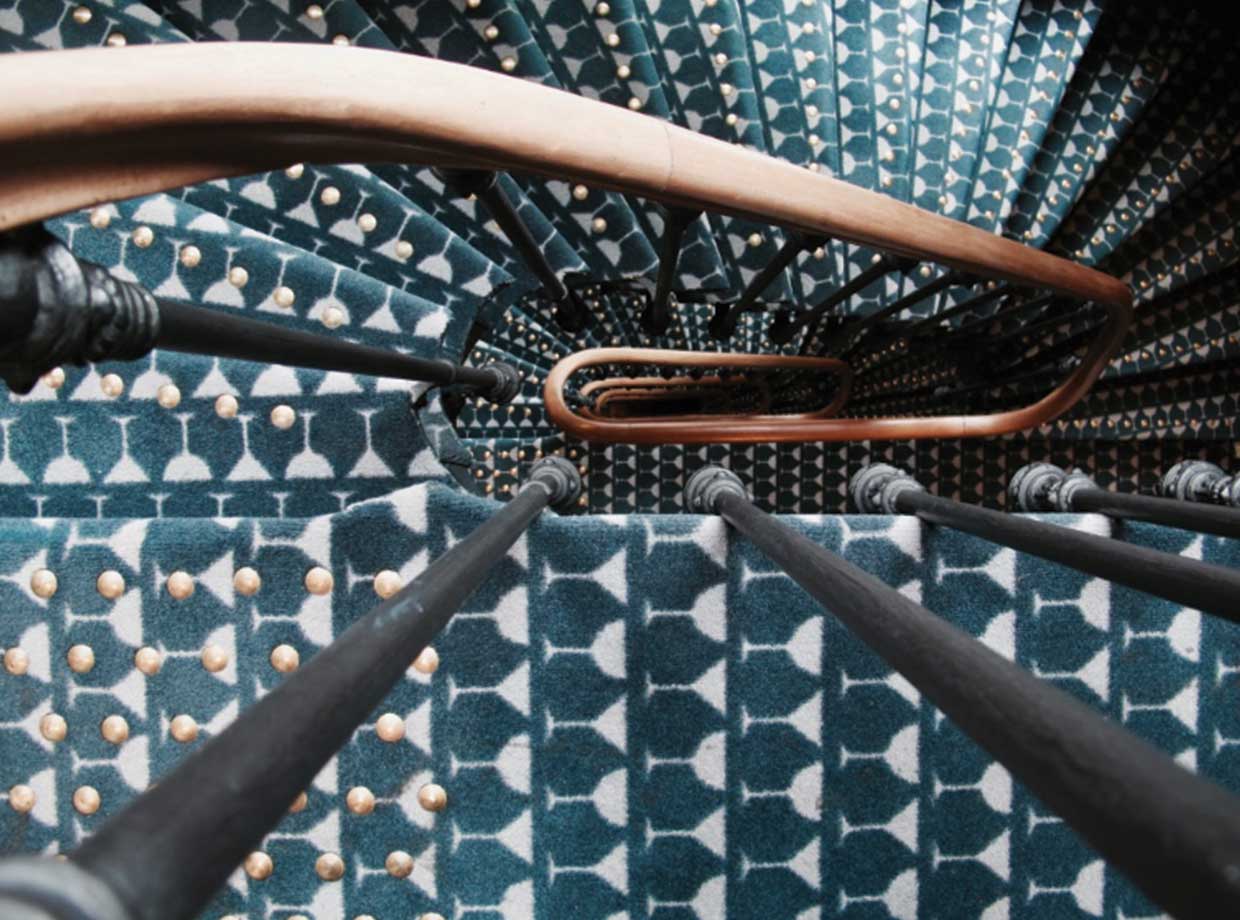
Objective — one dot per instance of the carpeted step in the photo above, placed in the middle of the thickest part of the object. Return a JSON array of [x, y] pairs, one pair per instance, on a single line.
[[602, 634]]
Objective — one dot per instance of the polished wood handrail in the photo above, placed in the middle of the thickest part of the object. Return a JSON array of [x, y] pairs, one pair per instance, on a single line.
[[89, 126], [686, 429], [637, 388]]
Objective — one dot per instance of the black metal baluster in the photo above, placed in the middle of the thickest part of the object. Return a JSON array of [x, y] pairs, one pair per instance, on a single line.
[[1175, 835], [787, 322], [1200, 585], [571, 313], [723, 323], [854, 336], [676, 221], [57, 309], [1046, 487], [164, 856]]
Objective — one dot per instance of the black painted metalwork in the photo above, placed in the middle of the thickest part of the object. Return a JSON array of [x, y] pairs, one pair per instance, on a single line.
[[1200, 585], [786, 323], [1199, 481], [164, 856], [851, 338], [225, 335], [1175, 835], [58, 309], [571, 313], [723, 323], [657, 315], [1046, 487]]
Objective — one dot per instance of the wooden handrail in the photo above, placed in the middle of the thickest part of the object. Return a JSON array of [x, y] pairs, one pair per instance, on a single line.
[[686, 429], [90, 126]]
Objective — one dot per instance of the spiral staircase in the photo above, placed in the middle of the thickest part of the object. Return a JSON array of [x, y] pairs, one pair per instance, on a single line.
[[637, 714]]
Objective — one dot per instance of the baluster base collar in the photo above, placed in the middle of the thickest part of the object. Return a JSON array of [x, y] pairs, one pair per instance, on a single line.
[[1199, 481], [1042, 487], [875, 488], [561, 480], [706, 486]]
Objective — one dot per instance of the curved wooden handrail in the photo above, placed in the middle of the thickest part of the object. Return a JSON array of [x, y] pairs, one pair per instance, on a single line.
[[683, 429], [625, 387], [90, 126]]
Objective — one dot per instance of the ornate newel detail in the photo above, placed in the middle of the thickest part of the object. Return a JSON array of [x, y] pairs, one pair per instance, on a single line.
[[1043, 487], [876, 488], [56, 310], [1200, 481]]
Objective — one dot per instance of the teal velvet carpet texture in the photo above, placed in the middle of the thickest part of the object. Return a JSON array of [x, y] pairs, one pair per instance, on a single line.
[[636, 716]]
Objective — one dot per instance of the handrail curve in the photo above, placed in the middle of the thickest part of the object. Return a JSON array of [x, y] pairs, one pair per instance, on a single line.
[[85, 127]]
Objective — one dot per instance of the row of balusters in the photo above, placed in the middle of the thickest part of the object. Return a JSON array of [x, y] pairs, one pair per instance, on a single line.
[[921, 367], [1175, 834]]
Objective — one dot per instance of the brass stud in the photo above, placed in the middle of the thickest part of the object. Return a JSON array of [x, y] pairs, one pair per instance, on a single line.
[[226, 406], [148, 661], [184, 729], [360, 800], [81, 659], [433, 797], [399, 864], [329, 867], [114, 729], [180, 585], [427, 661], [246, 581], [285, 659], [16, 661], [390, 727], [53, 727], [214, 658], [258, 866], [319, 580], [387, 583], [86, 800], [112, 385], [283, 417], [168, 396], [21, 798]]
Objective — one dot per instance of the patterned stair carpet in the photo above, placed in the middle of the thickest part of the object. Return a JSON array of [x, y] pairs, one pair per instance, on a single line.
[[635, 716], [612, 742]]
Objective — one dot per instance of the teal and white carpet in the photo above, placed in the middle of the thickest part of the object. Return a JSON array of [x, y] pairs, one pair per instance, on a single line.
[[636, 716]]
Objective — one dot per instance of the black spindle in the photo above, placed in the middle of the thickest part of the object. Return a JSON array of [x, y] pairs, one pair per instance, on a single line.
[[676, 222], [1046, 487], [1200, 585], [571, 313], [852, 338], [59, 309], [164, 856], [1174, 834], [787, 322], [723, 323]]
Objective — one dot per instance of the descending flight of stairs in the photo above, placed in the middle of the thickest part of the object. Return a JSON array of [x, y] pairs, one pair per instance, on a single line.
[[613, 744]]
